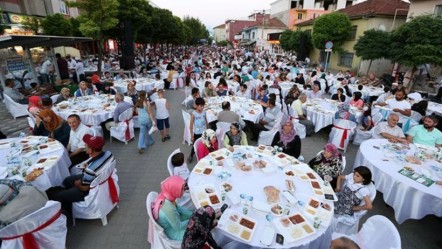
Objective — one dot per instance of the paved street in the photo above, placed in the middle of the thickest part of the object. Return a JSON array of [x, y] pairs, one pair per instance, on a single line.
[[139, 174]]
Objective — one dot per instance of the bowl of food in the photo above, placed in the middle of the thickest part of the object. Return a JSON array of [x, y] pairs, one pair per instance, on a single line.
[[276, 209]]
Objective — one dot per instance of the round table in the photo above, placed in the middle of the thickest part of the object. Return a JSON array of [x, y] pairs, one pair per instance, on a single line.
[[434, 107], [93, 109], [286, 86], [209, 185], [321, 112], [246, 108], [19, 156], [409, 198], [371, 90], [142, 84]]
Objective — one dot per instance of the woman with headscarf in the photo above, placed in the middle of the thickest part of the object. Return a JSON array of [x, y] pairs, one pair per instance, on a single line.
[[234, 136], [49, 124], [287, 139], [208, 145], [34, 105], [198, 231], [170, 216], [344, 113], [328, 162], [65, 94]]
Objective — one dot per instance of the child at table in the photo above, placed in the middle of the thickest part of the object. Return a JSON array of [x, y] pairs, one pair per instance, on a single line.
[[179, 166], [355, 196], [162, 115], [198, 124]]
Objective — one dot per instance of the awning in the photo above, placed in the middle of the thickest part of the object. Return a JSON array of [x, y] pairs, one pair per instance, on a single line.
[[247, 43], [32, 41]]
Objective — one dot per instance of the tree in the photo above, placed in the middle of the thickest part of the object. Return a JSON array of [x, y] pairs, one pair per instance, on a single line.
[[373, 45], [418, 42], [284, 40], [75, 27], [57, 25], [335, 27], [31, 23], [197, 30], [98, 16]]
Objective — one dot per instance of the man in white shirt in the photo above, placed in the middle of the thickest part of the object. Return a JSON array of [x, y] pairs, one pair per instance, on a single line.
[[398, 104], [390, 130], [76, 146], [297, 112], [44, 71], [79, 67], [244, 92]]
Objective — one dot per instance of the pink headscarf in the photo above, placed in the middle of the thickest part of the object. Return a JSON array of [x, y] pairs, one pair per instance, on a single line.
[[171, 189], [34, 102], [332, 149]]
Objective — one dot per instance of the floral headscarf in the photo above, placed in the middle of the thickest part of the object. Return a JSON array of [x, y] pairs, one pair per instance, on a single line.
[[207, 136], [56, 121], [286, 138], [171, 189], [332, 149], [198, 229]]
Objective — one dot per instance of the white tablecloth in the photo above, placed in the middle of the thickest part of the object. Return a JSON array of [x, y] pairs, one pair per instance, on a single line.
[[372, 91], [55, 168], [90, 108], [321, 112], [143, 84], [285, 87], [246, 108], [409, 199], [434, 107], [252, 184]]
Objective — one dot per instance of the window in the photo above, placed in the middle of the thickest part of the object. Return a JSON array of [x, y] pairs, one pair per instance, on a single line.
[[293, 5], [308, 31], [63, 8], [299, 16], [346, 59], [438, 10], [354, 30], [253, 35]]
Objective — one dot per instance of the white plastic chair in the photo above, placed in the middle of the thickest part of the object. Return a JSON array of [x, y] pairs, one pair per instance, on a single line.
[[14, 108], [124, 131], [411, 121], [222, 128], [344, 164], [341, 133], [169, 161], [349, 224], [195, 147], [54, 98], [300, 129], [155, 233], [102, 198], [361, 136], [186, 133], [323, 84], [46, 226], [379, 232], [266, 137]]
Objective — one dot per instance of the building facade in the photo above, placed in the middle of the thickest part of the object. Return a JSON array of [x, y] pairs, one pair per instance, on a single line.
[[219, 33], [424, 7], [257, 34], [234, 27]]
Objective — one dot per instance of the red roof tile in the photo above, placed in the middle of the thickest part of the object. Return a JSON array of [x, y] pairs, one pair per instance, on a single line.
[[377, 7], [220, 26]]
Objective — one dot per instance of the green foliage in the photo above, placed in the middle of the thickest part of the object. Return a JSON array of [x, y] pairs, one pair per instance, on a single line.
[[197, 30], [56, 25], [374, 44], [75, 27], [418, 42], [223, 43], [284, 40], [299, 41], [32, 24], [335, 27]]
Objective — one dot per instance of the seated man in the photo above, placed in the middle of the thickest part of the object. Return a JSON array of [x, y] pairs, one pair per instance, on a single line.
[[121, 75], [189, 102], [315, 92], [390, 130], [120, 108], [76, 187], [297, 111], [268, 121], [13, 93], [398, 104], [76, 146], [243, 92], [426, 134], [343, 243], [18, 199], [228, 116]]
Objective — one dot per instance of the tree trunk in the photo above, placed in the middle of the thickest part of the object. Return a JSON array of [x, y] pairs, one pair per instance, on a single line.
[[369, 66], [411, 83], [100, 55]]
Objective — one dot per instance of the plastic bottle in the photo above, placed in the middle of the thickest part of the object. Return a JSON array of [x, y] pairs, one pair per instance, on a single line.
[[301, 158]]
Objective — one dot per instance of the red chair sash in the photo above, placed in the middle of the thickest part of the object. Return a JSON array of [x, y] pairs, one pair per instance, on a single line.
[[127, 132], [344, 136], [28, 239], [113, 193]]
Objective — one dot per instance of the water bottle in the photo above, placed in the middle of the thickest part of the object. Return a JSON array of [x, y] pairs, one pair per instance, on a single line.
[[22, 134], [301, 158]]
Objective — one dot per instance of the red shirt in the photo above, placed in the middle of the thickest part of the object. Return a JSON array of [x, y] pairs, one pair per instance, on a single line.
[[95, 79]]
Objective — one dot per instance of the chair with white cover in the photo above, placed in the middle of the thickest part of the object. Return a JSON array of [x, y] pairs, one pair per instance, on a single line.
[[300, 129], [155, 233], [103, 196], [349, 224], [187, 137], [343, 164], [362, 135], [195, 147], [266, 137], [379, 232], [14, 108], [54, 98], [323, 84], [174, 84], [411, 121], [169, 161], [124, 131], [341, 133], [221, 129], [44, 228]]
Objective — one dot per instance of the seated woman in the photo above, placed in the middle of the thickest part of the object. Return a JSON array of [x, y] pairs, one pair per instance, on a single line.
[[367, 120], [339, 95], [170, 216], [209, 91], [292, 95], [420, 107], [65, 94], [34, 105], [287, 139], [49, 124], [357, 100], [83, 90], [208, 145], [328, 162], [355, 192], [344, 113], [235, 136], [107, 89], [132, 92], [198, 231]]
